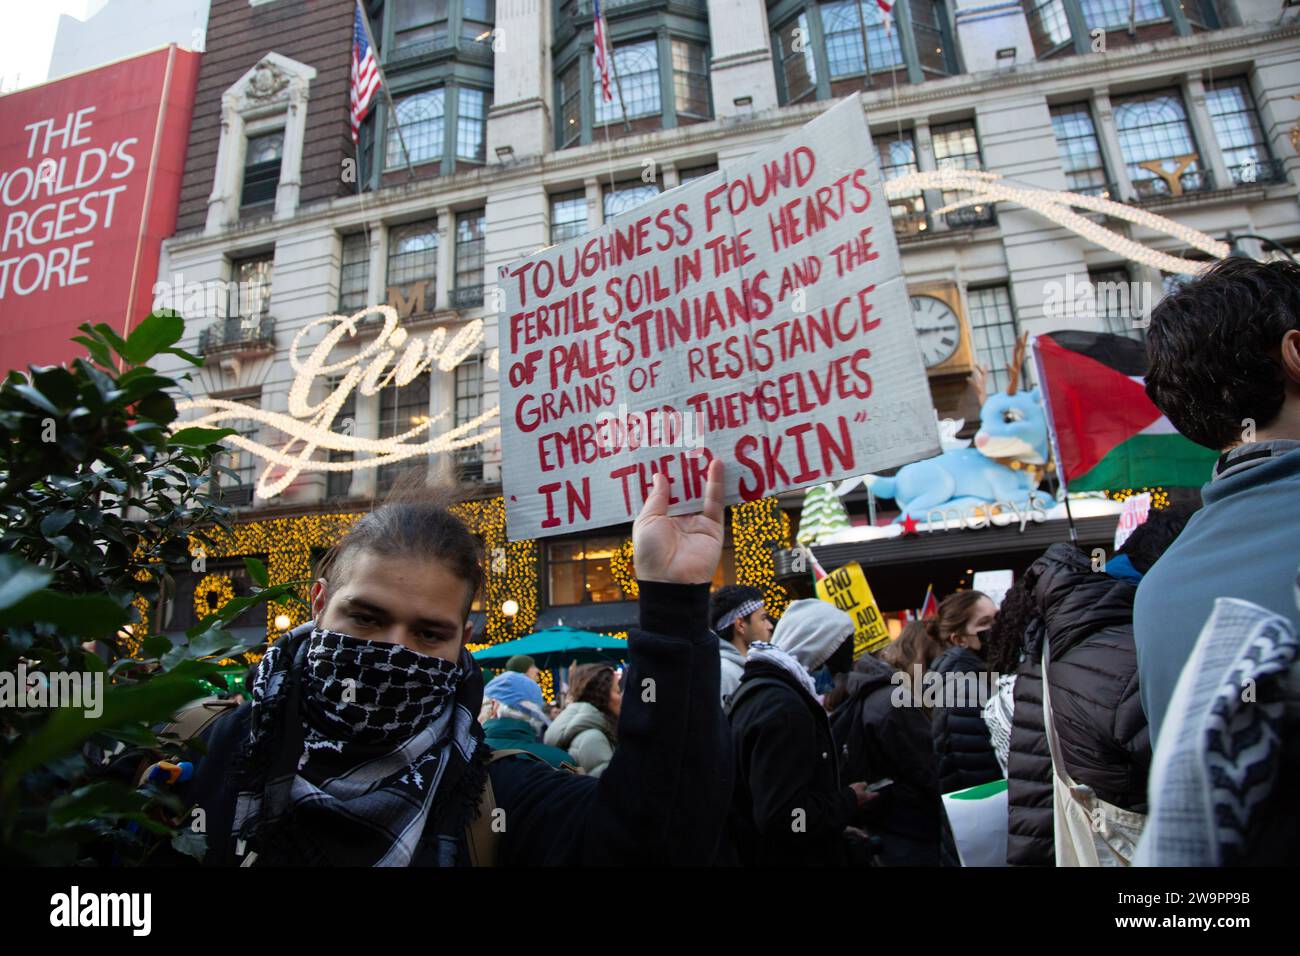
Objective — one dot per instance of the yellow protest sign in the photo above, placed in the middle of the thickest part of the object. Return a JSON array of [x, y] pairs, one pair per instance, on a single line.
[[846, 587]]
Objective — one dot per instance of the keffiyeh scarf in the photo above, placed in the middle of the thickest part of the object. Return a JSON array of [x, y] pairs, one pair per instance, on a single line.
[[763, 651], [358, 752]]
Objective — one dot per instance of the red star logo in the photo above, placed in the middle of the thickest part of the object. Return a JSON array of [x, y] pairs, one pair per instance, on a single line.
[[909, 525]]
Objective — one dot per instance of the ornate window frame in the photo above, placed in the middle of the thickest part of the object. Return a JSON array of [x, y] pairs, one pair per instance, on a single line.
[[271, 96]]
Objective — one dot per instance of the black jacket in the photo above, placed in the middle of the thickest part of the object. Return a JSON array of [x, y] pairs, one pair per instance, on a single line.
[[788, 808], [1088, 617], [963, 750], [662, 800], [891, 741]]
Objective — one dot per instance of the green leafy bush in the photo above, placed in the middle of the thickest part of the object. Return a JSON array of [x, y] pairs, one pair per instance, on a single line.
[[99, 500]]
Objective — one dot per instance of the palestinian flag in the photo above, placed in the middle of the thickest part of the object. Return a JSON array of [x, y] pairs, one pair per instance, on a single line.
[[1107, 433]]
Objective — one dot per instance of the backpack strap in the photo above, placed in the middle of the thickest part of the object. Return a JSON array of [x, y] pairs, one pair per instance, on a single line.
[[481, 841]]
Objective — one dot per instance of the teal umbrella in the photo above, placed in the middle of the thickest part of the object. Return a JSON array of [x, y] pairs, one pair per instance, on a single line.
[[556, 647]]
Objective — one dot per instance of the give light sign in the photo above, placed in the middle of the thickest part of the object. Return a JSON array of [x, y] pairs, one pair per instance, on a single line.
[[89, 180], [757, 315]]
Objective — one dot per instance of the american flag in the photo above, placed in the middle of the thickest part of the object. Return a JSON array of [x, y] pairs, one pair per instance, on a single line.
[[365, 73], [602, 55]]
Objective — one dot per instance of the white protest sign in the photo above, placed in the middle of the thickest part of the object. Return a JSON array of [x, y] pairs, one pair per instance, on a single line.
[[1137, 508], [757, 315], [995, 584]]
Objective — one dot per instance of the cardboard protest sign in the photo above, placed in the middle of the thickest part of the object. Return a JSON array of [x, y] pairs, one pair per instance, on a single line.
[[1137, 508], [758, 315], [846, 587]]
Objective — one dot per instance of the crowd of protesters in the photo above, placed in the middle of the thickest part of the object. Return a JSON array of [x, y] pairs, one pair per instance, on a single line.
[[1144, 709]]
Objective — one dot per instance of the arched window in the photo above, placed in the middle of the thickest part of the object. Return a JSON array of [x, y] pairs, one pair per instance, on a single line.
[[658, 70], [828, 48], [1060, 27]]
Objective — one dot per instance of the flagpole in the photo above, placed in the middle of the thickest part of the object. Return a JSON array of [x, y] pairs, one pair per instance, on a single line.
[[383, 85], [1051, 437]]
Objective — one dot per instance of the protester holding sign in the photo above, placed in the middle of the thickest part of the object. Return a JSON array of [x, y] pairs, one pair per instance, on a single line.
[[361, 744]]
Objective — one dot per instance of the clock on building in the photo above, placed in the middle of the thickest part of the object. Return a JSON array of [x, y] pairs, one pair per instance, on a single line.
[[938, 330]]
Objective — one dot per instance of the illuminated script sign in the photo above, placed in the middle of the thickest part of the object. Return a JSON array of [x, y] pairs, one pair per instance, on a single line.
[[310, 426]]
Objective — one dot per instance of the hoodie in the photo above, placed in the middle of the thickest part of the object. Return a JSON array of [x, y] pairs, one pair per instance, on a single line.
[[786, 767], [733, 665], [811, 631], [582, 731]]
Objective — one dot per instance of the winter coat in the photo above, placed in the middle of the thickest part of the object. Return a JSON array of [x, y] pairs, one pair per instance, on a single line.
[[963, 751], [663, 799], [510, 733], [733, 665], [891, 741], [789, 807], [1087, 616], [582, 731]]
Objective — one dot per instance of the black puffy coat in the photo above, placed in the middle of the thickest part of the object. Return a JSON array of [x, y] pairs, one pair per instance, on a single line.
[[963, 751], [891, 741], [1088, 617], [786, 763]]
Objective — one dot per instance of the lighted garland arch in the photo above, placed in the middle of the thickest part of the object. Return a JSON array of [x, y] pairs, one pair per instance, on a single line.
[[211, 594]]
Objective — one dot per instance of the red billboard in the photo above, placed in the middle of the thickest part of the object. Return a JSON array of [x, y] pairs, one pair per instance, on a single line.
[[90, 174]]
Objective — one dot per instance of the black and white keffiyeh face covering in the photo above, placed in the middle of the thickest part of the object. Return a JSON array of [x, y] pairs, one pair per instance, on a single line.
[[364, 746]]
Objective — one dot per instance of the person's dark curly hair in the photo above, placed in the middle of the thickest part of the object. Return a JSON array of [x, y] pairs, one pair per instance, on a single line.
[[1153, 537], [1213, 349], [1007, 636]]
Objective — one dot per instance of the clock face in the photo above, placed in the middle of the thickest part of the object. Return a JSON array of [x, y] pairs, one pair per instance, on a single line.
[[938, 332]]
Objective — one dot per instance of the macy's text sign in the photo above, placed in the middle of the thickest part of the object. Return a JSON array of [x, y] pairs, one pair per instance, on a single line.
[[761, 310]]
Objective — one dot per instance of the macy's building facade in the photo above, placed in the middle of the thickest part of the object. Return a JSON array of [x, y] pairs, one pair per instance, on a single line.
[[498, 143]]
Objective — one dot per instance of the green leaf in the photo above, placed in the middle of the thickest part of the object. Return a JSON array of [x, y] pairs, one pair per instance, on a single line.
[[199, 437], [18, 580], [56, 521], [159, 331], [57, 382], [187, 356], [157, 406], [257, 571], [68, 728], [96, 350], [87, 616], [37, 399], [156, 645], [109, 334], [105, 799]]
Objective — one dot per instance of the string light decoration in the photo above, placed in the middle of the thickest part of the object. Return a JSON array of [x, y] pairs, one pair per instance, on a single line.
[[511, 568], [623, 571], [510, 571], [211, 594], [1056, 207], [1159, 497], [757, 528]]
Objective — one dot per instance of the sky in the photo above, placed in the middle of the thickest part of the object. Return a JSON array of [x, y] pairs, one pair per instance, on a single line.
[[28, 37]]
